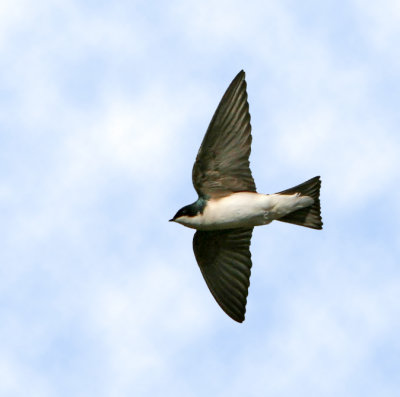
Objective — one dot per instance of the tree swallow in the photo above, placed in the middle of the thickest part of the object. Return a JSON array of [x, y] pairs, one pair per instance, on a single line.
[[229, 207]]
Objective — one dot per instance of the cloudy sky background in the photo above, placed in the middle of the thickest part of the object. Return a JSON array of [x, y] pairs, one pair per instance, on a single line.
[[103, 106]]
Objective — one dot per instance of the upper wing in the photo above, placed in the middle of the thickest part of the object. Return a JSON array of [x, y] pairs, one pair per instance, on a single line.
[[222, 163], [225, 261]]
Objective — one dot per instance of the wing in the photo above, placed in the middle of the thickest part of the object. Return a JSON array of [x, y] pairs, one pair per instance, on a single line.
[[224, 259], [222, 163]]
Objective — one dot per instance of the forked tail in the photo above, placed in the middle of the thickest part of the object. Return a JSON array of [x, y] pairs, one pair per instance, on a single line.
[[309, 216]]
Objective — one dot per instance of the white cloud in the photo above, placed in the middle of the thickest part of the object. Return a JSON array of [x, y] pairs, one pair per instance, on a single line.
[[358, 158], [380, 23], [326, 329], [19, 380], [12, 13]]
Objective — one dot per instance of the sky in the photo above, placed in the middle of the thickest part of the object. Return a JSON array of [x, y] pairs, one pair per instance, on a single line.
[[103, 106]]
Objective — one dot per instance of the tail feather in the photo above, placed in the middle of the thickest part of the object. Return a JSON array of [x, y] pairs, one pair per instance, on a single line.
[[310, 216]]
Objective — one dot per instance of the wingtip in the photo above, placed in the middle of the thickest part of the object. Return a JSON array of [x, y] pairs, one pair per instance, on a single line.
[[239, 317], [239, 79], [234, 315]]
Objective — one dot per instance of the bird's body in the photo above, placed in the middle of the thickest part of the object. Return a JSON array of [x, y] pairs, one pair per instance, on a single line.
[[228, 206], [244, 209]]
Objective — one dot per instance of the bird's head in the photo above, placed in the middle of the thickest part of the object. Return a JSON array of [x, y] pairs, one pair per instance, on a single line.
[[189, 215], [188, 211]]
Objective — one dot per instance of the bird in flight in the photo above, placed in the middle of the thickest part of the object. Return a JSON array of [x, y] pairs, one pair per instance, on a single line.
[[228, 206]]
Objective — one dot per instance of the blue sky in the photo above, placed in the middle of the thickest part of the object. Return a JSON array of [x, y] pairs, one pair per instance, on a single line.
[[103, 106]]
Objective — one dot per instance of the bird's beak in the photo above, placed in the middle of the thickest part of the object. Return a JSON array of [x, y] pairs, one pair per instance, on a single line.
[[171, 220]]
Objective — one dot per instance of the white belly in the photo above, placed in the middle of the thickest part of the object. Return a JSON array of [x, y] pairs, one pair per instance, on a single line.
[[247, 209]]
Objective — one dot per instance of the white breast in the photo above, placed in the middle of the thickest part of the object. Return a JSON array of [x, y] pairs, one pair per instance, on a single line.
[[237, 210]]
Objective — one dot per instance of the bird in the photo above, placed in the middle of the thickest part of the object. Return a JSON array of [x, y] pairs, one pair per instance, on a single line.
[[228, 206]]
